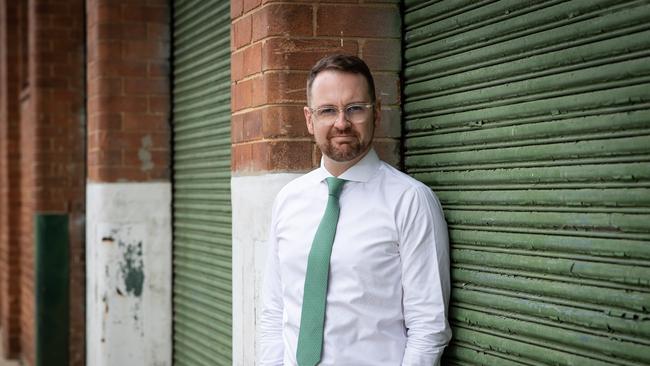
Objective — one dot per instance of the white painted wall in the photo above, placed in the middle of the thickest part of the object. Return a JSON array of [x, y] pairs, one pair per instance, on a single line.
[[129, 273], [252, 198]]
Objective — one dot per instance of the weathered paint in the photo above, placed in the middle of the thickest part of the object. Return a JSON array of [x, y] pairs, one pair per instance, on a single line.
[[252, 199], [128, 274], [131, 267]]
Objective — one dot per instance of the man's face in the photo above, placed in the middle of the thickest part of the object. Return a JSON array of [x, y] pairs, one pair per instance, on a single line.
[[343, 140]]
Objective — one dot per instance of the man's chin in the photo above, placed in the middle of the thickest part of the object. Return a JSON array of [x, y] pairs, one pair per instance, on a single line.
[[344, 152]]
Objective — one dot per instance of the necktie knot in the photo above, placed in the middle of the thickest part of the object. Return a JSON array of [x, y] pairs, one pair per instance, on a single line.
[[335, 185]]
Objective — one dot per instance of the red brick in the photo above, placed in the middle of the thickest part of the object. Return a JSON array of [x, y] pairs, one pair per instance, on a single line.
[[253, 59], [237, 65], [273, 155], [158, 69], [144, 122], [236, 8], [242, 157], [65, 69], [246, 62], [117, 31], [117, 68], [283, 19], [147, 14], [369, 21], [284, 121], [251, 4], [45, 8], [242, 95], [158, 31], [105, 121], [151, 86], [105, 13], [237, 128], [112, 104], [153, 158], [247, 126], [301, 54], [388, 150], [242, 32], [382, 55], [387, 88], [159, 105], [105, 86], [104, 173], [122, 141], [139, 50], [285, 87], [105, 157], [47, 34], [391, 124], [107, 50]]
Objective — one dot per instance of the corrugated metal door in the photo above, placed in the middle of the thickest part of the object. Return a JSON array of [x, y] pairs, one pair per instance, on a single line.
[[202, 214], [531, 120]]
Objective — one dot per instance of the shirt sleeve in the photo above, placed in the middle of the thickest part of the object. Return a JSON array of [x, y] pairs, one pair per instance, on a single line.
[[271, 342], [424, 252]]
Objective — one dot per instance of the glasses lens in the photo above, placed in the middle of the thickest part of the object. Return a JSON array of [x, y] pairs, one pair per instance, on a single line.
[[357, 113], [326, 114]]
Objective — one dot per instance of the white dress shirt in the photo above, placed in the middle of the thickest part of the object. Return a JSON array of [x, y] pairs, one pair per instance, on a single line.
[[389, 271]]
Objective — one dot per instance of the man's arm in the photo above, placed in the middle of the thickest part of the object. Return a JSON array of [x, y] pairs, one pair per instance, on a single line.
[[424, 251], [271, 343]]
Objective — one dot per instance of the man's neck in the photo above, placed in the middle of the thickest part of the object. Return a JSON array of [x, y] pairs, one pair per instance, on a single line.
[[336, 168]]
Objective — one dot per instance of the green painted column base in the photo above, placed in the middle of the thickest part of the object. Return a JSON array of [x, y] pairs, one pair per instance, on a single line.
[[51, 276]]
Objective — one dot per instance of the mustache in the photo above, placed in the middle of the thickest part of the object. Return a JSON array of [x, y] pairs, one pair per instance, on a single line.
[[348, 132]]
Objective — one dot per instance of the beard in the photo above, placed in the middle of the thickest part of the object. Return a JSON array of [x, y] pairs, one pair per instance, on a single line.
[[342, 152]]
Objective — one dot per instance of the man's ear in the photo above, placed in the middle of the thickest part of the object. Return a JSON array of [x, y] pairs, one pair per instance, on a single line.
[[310, 125]]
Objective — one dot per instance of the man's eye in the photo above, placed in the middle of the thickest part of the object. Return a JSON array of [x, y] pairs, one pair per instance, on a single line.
[[355, 109], [325, 112]]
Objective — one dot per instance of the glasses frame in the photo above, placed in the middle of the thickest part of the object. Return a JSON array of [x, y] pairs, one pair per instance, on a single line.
[[339, 111]]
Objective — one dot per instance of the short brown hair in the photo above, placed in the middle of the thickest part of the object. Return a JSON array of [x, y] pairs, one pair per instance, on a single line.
[[342, 63]]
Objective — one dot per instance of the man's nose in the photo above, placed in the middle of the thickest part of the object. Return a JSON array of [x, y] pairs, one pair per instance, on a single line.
[[341, 122]]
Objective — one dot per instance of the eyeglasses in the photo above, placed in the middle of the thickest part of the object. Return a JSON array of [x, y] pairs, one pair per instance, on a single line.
[[354, 113]]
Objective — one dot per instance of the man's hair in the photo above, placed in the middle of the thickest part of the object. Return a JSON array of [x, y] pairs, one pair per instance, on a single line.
[[342, 63]]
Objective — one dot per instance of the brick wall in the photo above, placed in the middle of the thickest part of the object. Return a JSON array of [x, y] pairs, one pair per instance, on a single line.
[[52, 153], [274, 44], [128, 90], [9, 180]]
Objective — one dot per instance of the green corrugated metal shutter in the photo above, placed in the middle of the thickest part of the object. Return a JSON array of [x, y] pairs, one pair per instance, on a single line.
[[531, 120], [202, 213]]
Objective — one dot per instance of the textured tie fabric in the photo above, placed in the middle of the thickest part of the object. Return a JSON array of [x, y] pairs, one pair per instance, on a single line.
[[310, 338]]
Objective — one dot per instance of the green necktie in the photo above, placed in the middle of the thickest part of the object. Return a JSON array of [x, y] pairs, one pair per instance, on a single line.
[[310, 339]]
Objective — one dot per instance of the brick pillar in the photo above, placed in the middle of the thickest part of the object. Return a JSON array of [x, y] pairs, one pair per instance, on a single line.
[[9, 180], [129, 190], [52, 144], [274, 44]]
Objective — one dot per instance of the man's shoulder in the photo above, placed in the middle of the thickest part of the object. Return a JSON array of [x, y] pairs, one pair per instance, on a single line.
[[298, 185], [400, 180]]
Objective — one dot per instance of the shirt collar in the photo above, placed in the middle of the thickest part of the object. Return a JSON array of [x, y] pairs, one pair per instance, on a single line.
[[362, 171]]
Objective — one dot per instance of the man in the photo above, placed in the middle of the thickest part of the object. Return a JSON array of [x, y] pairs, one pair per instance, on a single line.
[[358, 265]]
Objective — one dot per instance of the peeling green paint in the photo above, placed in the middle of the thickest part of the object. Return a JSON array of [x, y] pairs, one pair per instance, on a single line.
[[132, 268]]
